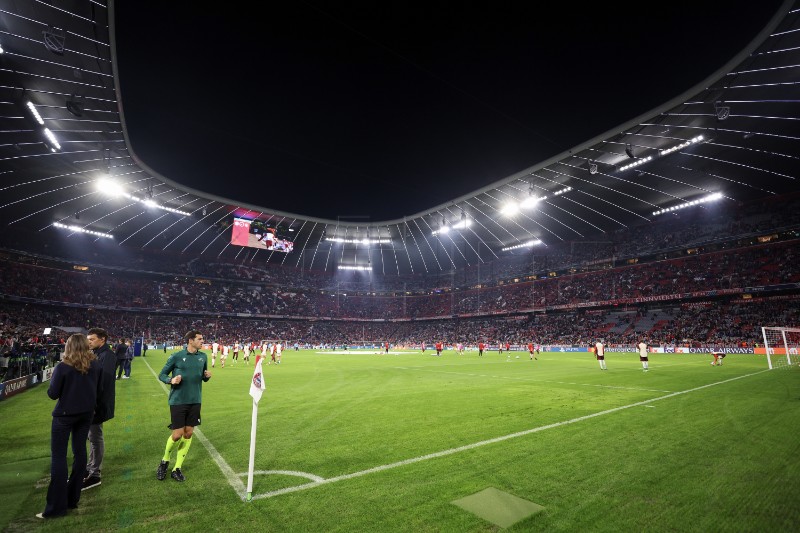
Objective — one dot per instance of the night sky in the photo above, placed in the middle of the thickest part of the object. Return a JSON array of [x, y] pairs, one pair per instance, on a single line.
[[373, 111]]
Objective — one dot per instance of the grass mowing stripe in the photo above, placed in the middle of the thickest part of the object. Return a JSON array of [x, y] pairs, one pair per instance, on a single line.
[[230, 475], [514, 378], [474, 445]]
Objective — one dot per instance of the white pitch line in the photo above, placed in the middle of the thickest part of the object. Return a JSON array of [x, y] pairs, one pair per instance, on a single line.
[[295, 473], [227, 471], [452, 451]]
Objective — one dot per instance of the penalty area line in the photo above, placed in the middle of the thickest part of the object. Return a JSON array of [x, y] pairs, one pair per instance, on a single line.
[[227, 471], [495, 440]]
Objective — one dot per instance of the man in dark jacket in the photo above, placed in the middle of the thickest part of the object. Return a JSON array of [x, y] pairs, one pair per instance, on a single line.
[[119, 350], [98, 342]]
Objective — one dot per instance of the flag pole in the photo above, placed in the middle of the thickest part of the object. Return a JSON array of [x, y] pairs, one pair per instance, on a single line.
[[253, 423]]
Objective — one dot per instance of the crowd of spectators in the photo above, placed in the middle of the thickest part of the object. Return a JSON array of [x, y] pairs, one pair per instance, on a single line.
[[729, 323], [752, 268], [691, 297]]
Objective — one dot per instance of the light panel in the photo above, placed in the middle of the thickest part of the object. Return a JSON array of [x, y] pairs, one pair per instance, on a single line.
[[703, 200], [78, 229]]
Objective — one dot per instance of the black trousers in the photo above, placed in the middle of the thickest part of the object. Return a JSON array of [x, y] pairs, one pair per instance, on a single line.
[[64, 491]]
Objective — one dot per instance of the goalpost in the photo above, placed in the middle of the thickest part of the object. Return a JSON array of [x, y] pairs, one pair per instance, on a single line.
[[782, 346]]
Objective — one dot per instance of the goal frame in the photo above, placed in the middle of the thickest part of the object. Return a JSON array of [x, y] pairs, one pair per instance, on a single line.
[[774, 358]]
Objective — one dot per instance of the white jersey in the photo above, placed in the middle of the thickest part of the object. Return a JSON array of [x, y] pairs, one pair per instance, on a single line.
[[643, 349], [215, 348], [264, 349], [278, 348], [600, 349], [225, 350]]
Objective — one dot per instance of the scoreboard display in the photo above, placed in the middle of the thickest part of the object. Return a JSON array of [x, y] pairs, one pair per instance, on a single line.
[[257, 234]]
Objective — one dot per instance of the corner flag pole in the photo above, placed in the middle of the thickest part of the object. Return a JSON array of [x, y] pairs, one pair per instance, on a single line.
[[256, 389], [253, 424]]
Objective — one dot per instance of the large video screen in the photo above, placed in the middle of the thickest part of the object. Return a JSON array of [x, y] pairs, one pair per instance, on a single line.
[[257, 234]]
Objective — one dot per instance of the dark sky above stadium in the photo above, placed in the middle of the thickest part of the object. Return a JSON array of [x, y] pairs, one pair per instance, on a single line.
[[372, 111]]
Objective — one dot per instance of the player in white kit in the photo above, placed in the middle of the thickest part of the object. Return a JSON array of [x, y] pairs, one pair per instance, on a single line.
[[600, 354], [643, 354], [224, 355]]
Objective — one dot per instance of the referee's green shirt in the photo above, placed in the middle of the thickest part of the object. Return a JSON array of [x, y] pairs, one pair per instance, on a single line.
[[191, 367]]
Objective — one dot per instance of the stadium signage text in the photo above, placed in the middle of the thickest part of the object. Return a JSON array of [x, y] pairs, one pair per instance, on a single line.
[[726, 350], [15, 386]]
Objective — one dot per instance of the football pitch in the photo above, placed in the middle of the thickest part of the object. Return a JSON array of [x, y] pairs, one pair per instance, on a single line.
[[365, 442]]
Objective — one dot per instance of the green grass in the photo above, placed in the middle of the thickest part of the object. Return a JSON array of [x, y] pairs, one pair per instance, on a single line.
[[722, 457]]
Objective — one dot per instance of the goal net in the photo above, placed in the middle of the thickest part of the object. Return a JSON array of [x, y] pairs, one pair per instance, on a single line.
[[782, 346]]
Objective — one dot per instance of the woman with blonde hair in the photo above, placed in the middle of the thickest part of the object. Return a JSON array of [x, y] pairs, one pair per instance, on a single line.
[[75, 385]]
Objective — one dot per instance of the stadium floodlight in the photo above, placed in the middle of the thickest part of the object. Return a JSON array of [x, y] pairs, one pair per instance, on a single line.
[[78, 229], [34, 112], [531, 201], [445, 228], [710, 198], [690, 142], [110, 187], [636, 163], [155, 205], [54, 145], [464, 224], [529, 244], [358, 241], [510, 209], [354, 267]]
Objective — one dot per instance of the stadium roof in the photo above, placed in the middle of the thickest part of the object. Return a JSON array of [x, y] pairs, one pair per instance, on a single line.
[[734, 134]]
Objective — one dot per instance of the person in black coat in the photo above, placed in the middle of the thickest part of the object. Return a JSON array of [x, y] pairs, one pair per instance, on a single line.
[[104, 410], [75, 384], [119, 350]]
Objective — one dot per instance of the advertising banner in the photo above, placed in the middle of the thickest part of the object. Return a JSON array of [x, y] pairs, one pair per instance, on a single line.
[[15, 386]]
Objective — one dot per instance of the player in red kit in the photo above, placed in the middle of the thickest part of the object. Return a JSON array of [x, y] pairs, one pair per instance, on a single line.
[[480, 349], [530, 351], [718, 355], [439, 349]]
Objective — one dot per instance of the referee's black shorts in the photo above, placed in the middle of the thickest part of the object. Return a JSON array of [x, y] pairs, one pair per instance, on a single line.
[[187, 414]]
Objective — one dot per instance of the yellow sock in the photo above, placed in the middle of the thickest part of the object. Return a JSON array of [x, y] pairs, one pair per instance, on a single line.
[[183, 449], [168, 450]]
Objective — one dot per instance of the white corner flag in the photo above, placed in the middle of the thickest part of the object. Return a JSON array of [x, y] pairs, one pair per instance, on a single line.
[[257, 388]]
